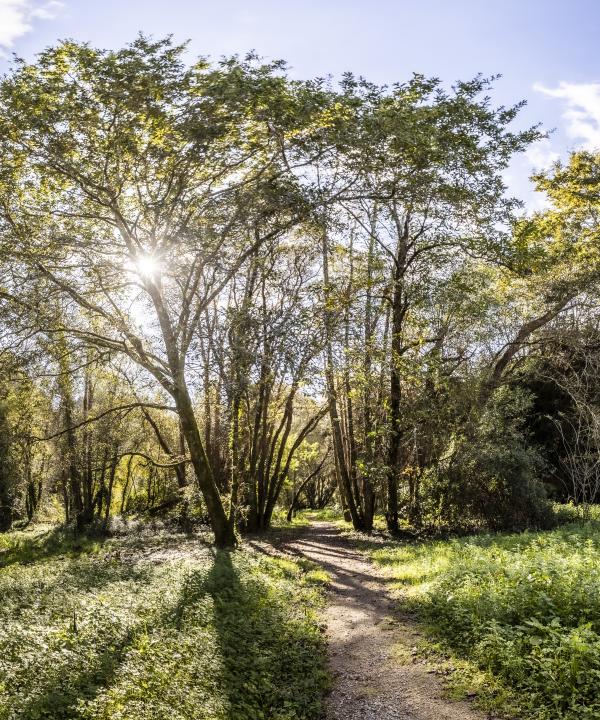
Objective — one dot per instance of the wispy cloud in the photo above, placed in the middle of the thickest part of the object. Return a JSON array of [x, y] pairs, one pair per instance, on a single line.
[[541, 155], [582, 111], [17, 17]]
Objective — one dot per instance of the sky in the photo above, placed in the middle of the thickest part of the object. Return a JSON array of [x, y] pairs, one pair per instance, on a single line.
[[545, 50]]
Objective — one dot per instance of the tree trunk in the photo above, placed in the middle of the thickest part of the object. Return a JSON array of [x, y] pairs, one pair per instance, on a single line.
[[399, 309], [73, 484], [336, 430], [296, 496], [222, 528]]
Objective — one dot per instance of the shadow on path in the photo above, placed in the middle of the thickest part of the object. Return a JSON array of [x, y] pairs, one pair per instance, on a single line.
[[375, 676]]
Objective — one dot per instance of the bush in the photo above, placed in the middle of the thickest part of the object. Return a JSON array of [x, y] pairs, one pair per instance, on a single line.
[[489, 475], [530, 614]]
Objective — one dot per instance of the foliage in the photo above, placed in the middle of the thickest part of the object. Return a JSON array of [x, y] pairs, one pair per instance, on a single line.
[[489, 477], [7, 479], [156, 626], [206, 249], [200, 261], [524, 607]]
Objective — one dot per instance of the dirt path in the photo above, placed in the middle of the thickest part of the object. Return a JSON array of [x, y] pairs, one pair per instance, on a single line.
[[374, 677]]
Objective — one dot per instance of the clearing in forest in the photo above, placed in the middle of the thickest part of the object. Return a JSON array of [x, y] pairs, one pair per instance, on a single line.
[[155, 627]]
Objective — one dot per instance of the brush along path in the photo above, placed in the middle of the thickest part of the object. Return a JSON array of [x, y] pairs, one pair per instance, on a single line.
[[374, 675]]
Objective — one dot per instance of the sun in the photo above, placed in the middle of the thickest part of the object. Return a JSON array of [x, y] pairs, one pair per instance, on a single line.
[[147, 266]]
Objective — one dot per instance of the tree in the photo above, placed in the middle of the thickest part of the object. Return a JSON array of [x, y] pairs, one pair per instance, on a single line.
[[431, 197], [205, 261], [7, 480], [133, 188]]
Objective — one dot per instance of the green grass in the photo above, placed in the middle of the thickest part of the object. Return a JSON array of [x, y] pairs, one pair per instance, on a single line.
[[279, 520], [335, 515], [156, 627], [523, 609], [328, 514], [43, 542]]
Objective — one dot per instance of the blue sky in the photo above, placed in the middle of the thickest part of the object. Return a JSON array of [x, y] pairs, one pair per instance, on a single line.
[[546, 50]]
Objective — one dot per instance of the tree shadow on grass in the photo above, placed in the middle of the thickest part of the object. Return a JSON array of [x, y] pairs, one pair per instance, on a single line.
[[68, 578], [263, 661], [70, 687], [69, 679], [56, 541], [272, 657]]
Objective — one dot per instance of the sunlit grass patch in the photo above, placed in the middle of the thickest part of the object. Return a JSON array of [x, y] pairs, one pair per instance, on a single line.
[[328, 514], [44, 541], [522, 609], [279, 520], [160, 634]]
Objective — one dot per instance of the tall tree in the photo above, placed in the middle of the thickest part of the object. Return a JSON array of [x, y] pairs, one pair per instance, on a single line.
[[429, 194], [133, 188]]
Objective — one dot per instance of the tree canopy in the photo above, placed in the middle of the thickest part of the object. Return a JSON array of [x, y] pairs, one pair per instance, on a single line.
[[219, 280]]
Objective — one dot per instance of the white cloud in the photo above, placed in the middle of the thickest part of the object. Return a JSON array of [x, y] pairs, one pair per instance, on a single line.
[[17, 16], [582, 113], [540, 154]]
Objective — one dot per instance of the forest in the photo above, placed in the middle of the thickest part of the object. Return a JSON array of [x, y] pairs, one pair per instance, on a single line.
[[240, 310]]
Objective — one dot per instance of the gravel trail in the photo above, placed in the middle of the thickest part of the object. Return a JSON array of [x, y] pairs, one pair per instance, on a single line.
[[375, 674]]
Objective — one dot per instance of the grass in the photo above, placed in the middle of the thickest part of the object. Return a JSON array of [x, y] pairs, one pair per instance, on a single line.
[[279, 520], [330, 514], [158, 627], [519, 614]]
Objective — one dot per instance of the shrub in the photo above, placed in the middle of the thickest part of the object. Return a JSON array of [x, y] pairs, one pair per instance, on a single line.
[[489, 475]]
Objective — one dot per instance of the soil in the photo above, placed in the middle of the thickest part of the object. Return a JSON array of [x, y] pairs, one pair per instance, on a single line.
[[376, 672]]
